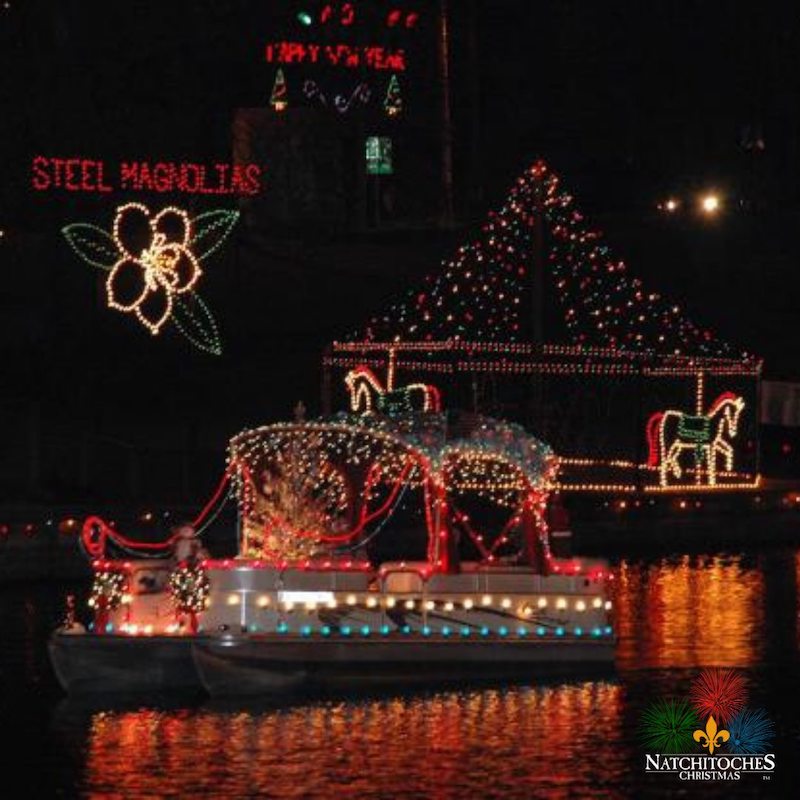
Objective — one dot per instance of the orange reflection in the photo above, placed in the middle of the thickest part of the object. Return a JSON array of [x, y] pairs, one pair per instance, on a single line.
[[522, 740], [696, 611]]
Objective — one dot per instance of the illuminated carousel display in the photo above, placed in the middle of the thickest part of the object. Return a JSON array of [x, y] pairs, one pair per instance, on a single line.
[[636, 397]]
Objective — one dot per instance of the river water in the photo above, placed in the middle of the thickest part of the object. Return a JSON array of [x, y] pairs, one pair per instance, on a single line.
[[561, 739]]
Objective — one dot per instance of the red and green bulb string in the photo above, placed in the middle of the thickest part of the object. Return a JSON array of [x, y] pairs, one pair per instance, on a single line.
[[477, 296]]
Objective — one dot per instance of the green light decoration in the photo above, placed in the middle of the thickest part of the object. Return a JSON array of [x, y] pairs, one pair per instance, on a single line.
[[393, 102], [154, 263], [92, 244], [379, 155], [279, 99], [194, 320], [304, 18], [667, 726]]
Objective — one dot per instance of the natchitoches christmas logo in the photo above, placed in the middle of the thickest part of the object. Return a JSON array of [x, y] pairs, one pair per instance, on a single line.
[[713, 735]]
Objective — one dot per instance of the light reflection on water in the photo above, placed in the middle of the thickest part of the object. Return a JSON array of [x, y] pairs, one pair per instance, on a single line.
[[572, 739], [697, 611], [518, 741]]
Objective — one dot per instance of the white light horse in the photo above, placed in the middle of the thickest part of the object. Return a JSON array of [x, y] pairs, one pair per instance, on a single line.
[[670, 433], [367, 394]]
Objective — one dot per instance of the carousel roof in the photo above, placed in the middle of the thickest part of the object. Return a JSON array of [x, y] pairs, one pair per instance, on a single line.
[[436, 436]]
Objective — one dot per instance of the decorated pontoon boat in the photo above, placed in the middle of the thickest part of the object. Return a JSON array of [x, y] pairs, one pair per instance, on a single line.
[[402, 547]]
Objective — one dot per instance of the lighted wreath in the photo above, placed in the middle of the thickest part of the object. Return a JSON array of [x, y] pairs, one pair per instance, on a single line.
[[154, 263], [108, 590], [190, 588]]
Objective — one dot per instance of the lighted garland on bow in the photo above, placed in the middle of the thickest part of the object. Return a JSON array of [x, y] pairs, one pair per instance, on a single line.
[[190, 589], [478, 294], [154, 263]]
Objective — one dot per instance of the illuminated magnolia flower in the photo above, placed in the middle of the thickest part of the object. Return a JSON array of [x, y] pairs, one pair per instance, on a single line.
[[153, 263], [156, 263]]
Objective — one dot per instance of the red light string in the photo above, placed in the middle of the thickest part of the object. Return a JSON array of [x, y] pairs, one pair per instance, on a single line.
[[96, 532]]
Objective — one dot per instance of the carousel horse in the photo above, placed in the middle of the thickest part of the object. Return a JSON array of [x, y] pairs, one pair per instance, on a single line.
[[670, 433], [367, 394]]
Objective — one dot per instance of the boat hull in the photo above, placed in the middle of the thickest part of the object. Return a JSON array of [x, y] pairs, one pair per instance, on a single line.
[[85, 663], [269, 665]]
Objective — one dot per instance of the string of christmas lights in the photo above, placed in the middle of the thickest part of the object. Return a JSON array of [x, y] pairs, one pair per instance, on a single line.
[[190, 588], [305, 487], [153, 261], [477, 295]]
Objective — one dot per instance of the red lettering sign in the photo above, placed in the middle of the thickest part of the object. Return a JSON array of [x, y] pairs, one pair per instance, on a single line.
[[336, 55], [93, 175]]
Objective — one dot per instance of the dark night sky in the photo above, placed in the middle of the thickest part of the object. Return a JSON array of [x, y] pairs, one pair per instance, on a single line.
[[629, 101], [662, 89]]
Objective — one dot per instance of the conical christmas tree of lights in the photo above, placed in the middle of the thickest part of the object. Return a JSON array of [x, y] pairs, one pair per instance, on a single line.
[[477, 295], [393, 102], [279, 99]]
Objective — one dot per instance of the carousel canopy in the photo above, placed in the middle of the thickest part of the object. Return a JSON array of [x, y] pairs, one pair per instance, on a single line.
[[437, 437]]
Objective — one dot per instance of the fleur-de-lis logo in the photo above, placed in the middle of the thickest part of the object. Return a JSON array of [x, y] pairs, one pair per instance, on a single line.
[[711, 737]]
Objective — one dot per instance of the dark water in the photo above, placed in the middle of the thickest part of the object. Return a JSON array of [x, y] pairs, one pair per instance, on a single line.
[[559, 740]]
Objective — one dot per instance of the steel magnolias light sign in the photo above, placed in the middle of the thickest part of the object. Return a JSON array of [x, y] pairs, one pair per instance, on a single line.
[[78, 174]]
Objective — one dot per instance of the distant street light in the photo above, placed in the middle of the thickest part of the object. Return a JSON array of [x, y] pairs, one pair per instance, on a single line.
[[710, 203], [670, 205]]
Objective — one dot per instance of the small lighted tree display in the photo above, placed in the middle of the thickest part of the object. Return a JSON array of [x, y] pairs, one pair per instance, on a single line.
[[393, 102], [299, 498], [279, 99]]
